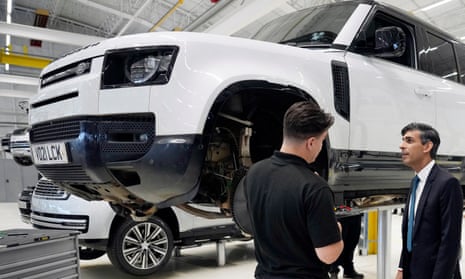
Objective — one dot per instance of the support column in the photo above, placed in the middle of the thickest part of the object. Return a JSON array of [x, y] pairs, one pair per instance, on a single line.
[[221, 252], [384, 243], [177, 251]]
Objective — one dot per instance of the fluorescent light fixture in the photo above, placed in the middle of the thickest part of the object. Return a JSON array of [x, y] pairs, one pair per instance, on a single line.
[[9, 9], [9, 6], [432, 6]]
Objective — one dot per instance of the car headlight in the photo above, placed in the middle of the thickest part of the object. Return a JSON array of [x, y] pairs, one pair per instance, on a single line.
[[139, 70], [138, 66]]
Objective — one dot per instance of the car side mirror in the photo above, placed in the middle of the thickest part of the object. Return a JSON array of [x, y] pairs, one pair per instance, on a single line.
[[390, 42]]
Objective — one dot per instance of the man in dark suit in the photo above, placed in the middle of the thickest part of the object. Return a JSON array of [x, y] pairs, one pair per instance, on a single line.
[[432, 223]]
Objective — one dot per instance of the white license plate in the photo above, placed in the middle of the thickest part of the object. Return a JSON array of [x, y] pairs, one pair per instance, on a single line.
[[50, 153]]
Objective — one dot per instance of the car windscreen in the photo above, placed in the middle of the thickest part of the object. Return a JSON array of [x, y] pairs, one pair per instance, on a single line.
[[314, 26]]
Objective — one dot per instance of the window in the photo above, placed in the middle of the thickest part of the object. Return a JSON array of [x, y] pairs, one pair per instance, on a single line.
[[313, 25], [366, 38], [441, 54]]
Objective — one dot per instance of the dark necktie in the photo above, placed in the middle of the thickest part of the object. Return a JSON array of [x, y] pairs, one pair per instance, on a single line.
[[411, 213]]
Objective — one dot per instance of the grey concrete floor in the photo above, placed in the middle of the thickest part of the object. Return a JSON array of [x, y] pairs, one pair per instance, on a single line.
[[201, 262]]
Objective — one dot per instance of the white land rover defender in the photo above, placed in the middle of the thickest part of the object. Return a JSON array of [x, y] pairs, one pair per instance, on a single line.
[[151, 120]]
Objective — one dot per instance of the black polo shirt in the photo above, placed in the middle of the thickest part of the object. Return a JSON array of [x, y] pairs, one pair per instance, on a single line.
[[292, 211]]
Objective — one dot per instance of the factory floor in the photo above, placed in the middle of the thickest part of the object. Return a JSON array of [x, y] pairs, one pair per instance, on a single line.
[[201, 262]]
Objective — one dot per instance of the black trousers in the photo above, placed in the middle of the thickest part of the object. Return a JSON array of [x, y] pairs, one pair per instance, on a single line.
[[351, 228]]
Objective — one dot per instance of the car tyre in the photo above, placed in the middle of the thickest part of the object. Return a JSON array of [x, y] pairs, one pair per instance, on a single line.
[[141, 248], [86, 253]]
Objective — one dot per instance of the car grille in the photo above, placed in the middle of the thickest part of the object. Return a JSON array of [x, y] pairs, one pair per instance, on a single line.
[[60, 221], [70, 128], [55, 130], [64, 173], [66, 72], [20, 144], [133, 126], [45, 189], [121, 138]]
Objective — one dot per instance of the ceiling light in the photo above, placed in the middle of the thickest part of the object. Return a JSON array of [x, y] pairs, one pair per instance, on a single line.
[[9, 8], [432, 6]]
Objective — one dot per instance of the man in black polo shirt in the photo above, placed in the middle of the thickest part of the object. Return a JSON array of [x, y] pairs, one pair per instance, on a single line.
[[296, 234]]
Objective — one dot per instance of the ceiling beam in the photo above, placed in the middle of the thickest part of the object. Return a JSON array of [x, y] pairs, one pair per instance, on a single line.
[[134, 17], [244, 15], [207, 15], [49, 35], [107, 9], [17, 93], [15, 79], [23, 60]]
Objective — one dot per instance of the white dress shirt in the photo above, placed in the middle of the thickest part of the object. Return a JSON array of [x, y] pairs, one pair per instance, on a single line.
[[423, 176]]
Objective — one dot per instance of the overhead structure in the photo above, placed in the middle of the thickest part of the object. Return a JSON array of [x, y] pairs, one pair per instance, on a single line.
[[55, 36], [23, 60], [134, 17], [16, 93], [40, 20], [207, 15], [244, 15], [22, 80], [163, 18]]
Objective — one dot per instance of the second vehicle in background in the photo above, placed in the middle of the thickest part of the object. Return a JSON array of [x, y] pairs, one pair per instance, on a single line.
[[20, 147], [138, 248]]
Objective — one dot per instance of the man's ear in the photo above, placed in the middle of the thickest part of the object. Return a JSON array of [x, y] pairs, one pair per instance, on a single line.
[[427, 147], [310, 141]]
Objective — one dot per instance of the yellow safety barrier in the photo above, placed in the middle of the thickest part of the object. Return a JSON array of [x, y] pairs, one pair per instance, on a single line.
[[372, 232], [23, 60]]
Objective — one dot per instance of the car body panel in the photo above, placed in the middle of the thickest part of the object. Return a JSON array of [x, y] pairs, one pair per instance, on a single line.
[[146, 145]]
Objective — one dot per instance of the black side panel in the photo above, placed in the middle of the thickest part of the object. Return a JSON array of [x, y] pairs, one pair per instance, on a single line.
[[341, 88]]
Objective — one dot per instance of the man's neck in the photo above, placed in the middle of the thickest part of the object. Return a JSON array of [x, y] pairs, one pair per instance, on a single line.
[[294, 150], [423, 164]]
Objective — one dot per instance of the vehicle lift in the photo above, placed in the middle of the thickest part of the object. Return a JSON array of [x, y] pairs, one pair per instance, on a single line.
[[383, 255]]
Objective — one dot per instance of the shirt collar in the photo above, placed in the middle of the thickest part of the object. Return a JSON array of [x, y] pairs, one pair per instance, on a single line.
[[423, 174], [282, 158]]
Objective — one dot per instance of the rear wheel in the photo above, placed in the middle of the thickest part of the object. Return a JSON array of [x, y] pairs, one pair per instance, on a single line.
[[141, 248]]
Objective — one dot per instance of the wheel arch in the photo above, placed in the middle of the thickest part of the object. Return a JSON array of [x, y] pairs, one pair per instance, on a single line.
[[251, 93], [166, 214]]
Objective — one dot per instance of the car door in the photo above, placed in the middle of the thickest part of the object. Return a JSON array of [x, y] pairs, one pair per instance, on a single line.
[[449, 93], [386, 93]]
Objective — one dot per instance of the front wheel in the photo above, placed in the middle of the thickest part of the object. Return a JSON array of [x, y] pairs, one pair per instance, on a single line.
[[141, 248]]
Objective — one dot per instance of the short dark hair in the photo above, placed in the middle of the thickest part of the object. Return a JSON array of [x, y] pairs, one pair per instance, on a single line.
[[304, 120], [427, 133]]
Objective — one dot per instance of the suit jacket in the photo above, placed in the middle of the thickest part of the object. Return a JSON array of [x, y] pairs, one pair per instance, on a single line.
[[437, 229]]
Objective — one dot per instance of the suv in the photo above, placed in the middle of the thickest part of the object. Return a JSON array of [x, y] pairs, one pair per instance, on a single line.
[[20, 147], [151, 120], [135, 247]]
